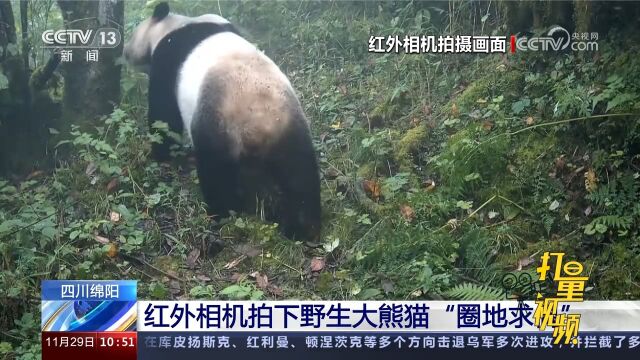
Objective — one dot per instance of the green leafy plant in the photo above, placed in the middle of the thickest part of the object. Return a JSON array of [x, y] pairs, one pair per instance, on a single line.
[[242, 291], [471, 292]]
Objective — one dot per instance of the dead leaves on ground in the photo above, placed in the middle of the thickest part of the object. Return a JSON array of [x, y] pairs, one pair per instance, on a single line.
[[387, 286], [192, 258], [233, 263], [317, 264], [455, 112], [101, 239], [407, 212], [112, 250], [524, 262], [248, 250], [429, 185], [262, 282], [590, 180], [331, 173], [34, 175], [529, 121], [112, 185], [114, 216], [372, 188]]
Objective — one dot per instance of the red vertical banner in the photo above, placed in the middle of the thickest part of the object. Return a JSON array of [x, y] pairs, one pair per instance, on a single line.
[[121, 345]]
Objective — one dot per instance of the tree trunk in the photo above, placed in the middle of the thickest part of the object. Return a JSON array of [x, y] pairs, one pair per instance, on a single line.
[[91, 89], [7, 26], [17, 151], [24, 24]]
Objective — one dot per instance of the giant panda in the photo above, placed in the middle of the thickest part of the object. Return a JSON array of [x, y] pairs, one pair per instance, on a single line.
[[240, 112]]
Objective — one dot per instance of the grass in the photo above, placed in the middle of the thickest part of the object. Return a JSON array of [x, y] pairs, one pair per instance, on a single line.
[[434, 182]]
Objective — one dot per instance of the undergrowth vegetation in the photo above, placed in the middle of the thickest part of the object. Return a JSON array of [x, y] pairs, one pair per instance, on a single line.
[[440, 174]]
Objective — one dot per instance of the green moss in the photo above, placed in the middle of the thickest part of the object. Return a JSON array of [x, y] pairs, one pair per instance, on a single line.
[[408, 145], [495, 82], [367, 171], [464, 155], [475, 91], [384, 112], [531, 148], [619, 280]]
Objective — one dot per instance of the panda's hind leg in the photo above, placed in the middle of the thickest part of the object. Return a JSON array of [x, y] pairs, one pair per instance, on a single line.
[[218, 171]]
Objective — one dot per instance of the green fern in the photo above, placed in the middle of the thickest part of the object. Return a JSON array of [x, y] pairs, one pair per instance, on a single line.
[[615, 221], [600, 196], [619, 195], [605, 223], [470, 291], [478, 257]]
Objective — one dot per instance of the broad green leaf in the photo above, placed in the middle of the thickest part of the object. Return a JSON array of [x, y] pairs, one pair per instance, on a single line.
[[4, 82], [464, 205], [520, 105], [370, 293]]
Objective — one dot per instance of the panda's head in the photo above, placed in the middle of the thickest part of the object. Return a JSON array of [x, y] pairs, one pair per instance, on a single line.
[[139, 49]]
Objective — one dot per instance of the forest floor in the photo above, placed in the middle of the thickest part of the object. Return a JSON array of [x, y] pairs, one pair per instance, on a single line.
[[440, 174]]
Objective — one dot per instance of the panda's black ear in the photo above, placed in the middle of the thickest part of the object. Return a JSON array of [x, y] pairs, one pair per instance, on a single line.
[[161, 11]]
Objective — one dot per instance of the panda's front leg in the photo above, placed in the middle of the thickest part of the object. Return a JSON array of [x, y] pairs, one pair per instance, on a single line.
[[161, 151], [163, 107]]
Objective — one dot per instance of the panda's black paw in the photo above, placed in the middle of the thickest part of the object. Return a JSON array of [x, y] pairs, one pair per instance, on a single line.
[[160, 153], [214, 246]]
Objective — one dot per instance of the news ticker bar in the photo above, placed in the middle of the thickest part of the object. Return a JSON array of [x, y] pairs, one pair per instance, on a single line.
[[286, 345], [374, 316], [112, 306], [325, 316], [104, 320]]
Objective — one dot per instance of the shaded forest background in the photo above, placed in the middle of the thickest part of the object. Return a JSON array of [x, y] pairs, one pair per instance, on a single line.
[[440, 173]]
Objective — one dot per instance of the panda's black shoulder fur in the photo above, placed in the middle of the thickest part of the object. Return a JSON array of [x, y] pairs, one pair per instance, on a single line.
[[170, 53]]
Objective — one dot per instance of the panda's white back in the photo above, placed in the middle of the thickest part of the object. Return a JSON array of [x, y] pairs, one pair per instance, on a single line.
[[257, 87]]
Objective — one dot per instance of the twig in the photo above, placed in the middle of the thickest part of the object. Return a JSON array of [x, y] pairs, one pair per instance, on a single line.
[[34, 223], [146, 263], [367, 233], [514, 204], [288, 266], [552, 123], [480, 208], [571, 120]]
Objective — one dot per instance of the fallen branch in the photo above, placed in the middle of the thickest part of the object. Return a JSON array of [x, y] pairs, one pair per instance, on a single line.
[[552, 123], [134, 259]]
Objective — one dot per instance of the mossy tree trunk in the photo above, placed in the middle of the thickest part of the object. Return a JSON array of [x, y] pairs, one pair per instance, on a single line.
[[91, 89], [525, 15], [16, 80], [17, 148]]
